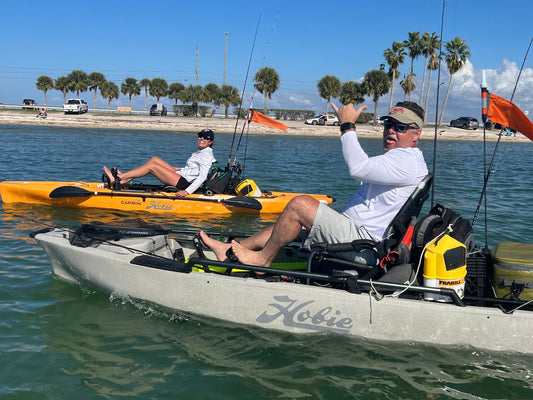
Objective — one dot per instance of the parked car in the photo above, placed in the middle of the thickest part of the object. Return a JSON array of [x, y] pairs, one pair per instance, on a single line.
[[465, 123], [29, 104], [158, 109], [75, 106], [320, 120]]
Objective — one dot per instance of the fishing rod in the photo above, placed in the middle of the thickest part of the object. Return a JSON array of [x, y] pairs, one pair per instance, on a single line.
[[437, 109], [487, 171], [242, 97], [249, 114]]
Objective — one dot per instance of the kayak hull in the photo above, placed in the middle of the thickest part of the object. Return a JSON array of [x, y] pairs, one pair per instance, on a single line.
[[38, 192], [281, 305]]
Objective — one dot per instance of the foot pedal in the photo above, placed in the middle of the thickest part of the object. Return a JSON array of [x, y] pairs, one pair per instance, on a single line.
[[198, 245], [116, 184]]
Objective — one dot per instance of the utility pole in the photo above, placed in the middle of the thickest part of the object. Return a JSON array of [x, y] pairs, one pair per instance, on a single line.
[[197, 66], [225, 57]]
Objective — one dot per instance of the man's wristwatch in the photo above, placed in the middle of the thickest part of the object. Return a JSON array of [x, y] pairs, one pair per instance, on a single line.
[[347, 126]]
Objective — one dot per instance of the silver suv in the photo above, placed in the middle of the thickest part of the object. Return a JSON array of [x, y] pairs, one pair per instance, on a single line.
[[465, 123]]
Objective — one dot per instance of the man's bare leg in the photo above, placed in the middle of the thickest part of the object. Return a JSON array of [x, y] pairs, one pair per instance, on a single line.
[[254, 242], [300, 212]]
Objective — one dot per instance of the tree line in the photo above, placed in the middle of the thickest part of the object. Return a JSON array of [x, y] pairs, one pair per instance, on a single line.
[[376, 83], [79, 81]]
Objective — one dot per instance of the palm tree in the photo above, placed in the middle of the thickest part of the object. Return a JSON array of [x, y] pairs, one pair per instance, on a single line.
[[429, 43], [96, 80], [329, 87], [414, 49], [432, 66], [229, 96], [130, 87], [408, 85], [394, 57], [62, 83], [352, 92], [267, 82], [376, 83], [457, 51], [212, 95], [193, 94], [145, 83], [109, 91], [174, 91], [158, 88], [78, 82], [44, 83]]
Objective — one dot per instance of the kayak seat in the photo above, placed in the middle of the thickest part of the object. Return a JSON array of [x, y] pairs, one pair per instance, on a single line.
[[222, 180], [375, 257]]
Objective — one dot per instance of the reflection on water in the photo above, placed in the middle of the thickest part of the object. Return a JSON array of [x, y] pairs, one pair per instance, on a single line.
[[126, 347]]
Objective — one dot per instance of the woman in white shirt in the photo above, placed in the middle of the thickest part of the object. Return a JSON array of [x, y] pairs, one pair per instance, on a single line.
[[187, 179]]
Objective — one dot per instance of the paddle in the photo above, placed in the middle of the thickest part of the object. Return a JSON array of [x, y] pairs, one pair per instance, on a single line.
[[75, 191]]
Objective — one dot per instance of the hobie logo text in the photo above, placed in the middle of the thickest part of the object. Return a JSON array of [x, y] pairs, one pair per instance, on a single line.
[[303, 315], [156, 205]]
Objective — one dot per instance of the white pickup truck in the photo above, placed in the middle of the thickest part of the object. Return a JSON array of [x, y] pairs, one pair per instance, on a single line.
[[77, 106]]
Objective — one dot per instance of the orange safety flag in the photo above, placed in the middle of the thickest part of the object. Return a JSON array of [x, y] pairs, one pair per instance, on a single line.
[[505, 113], [262, 119]]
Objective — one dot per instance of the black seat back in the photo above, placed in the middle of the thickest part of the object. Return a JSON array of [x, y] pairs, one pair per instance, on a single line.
[[411, 208]]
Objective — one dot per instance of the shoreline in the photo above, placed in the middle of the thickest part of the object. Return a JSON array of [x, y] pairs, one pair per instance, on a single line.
[[191, 124]]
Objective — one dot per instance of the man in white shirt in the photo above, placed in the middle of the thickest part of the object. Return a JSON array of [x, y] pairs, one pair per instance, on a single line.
[[387, 181]]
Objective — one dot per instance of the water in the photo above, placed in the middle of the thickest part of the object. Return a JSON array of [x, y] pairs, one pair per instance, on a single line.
[[62, 341]]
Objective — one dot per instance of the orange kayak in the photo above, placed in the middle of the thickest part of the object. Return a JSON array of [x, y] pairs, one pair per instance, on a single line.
[[96, 195]]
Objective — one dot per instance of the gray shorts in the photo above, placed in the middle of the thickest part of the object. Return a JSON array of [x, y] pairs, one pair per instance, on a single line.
[[330, 226]]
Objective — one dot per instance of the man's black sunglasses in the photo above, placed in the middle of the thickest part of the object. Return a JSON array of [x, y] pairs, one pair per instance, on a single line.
[[398, 127]]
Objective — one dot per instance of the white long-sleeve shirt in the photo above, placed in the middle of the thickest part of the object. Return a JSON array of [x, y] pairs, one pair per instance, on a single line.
[[386, 180], [197, 168]]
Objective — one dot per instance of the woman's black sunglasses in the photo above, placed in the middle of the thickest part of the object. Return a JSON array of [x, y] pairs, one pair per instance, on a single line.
[[398, 127]]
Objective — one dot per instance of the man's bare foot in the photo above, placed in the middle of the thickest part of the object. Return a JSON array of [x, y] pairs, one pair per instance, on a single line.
[[247, 256], [218, 247]]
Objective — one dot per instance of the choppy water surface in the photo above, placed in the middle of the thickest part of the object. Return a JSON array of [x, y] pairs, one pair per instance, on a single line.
[[61, 341]]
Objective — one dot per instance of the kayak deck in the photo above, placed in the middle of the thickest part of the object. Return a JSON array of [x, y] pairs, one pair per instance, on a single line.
[[96, 195]]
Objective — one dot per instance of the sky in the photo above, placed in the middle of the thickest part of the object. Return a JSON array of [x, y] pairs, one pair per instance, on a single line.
[[185, 41]]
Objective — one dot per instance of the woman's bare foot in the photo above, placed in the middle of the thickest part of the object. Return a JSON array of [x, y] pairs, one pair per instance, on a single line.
[[109, 175], [247, 256], [218, 247]]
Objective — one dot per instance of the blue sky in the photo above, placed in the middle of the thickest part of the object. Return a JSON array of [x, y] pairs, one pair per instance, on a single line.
[[302, 40]]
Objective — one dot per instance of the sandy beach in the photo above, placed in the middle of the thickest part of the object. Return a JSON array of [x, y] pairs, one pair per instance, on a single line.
[[171, 123]]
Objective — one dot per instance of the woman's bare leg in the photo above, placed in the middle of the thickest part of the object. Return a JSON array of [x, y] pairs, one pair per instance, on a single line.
[[159, 168]]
